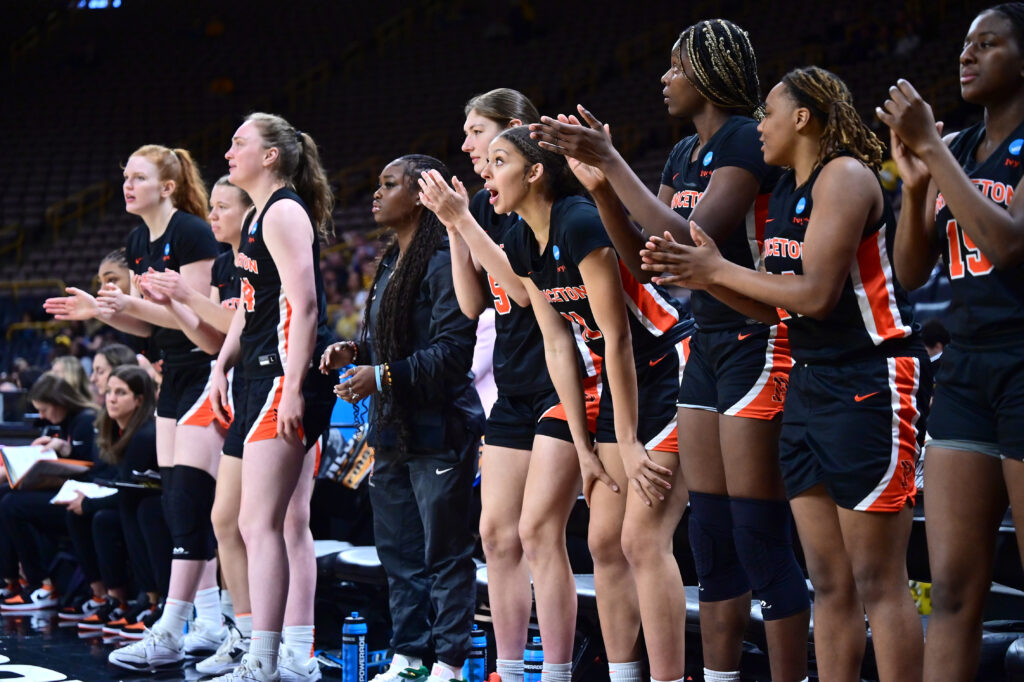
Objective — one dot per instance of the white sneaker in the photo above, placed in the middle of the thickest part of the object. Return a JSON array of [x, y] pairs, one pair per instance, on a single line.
[[201, 641], [398, 672], [227, 656], [249, 670], [156, 649], [293, 669], [42, 598]]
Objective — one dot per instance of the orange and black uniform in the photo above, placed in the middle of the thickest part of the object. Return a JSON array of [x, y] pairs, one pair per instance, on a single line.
[[979, 392], [860, 387]]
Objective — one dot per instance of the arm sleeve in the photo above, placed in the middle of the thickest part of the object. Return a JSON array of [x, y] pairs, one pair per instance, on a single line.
[[82, 436], [449, 353]]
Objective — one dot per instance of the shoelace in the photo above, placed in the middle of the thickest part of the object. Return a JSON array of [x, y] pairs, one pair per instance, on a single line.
[[229, 643]]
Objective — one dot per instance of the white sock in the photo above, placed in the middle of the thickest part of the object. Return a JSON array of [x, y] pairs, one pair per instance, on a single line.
[[681, 679], [555, 672], [721, 675], [243, 621], [298, 639], [625, 672], [400, 662], [446, 672], [264, 648], [174, 617], [208, 608], [510, 671]]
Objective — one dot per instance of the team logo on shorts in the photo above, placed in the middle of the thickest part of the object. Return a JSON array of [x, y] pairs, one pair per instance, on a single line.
[[1015, 146], [707, 158], [252, 230], [801, 205], [554, 250]]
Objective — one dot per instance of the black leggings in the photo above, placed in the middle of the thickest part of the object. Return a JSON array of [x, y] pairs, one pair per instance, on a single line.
[[26, 515], [148, 540], [100, 546]]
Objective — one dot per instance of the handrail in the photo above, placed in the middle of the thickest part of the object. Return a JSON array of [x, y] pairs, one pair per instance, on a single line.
[[47, 325], [15, 285]]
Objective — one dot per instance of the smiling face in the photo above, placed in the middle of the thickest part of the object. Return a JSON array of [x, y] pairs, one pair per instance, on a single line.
[[120, 400], [247, 158], [991, 63], [479, 130], [506, 175], [681, 98], [227, 209], [394, 202], [143, 190]]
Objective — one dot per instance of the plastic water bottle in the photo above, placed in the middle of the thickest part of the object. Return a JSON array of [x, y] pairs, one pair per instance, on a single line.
[[533, 661], [475, 668], [353, 649]]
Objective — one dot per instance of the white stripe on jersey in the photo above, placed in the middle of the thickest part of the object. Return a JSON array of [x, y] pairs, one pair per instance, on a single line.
[[282, 329]]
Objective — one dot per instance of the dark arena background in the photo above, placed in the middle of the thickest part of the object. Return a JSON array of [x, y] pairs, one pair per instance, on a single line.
[[86, 82]]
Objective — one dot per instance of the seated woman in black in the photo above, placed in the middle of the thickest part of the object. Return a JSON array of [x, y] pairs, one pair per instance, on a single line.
[[127, 441], [23, 513]]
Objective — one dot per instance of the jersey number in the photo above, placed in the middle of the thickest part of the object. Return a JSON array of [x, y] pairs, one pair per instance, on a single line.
[[971, 258], [502, 305], [588, 333], [248, 295]]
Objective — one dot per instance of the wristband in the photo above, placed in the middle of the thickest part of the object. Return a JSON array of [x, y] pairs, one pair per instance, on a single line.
[[376, 374]]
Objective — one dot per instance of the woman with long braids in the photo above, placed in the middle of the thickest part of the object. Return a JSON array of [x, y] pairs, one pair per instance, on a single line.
[[163, 187], [564, 258], [859, 391], [974, 459], [426, 421], [734, 387], [529, 471], [279, 327]]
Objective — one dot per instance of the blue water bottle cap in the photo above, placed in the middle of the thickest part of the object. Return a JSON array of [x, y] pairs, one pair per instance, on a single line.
[[536, 640], [355, 614]]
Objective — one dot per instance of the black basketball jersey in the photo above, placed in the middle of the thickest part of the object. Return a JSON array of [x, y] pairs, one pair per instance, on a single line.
[[872, 314], [736, 144], [656, 320], [187, 239], [225, 279], [519, 367], [267, 311], [986, 302]]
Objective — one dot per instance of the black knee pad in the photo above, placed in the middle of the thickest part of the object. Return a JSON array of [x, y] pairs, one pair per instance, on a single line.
[[764, 543], [188, 509], [719, 569]]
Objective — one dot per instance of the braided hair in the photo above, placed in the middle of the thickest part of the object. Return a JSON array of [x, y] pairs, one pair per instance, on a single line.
[[391, 339], [724, 65], [1014, 11], [830, 102]]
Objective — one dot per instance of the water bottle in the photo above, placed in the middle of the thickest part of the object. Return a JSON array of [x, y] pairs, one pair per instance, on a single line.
[[533, 661], [475, 667], [353, 649]]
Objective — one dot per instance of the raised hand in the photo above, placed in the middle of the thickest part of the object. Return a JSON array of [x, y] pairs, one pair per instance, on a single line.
[[910, 117], [337, 355], [78, 306], [689, 266], [449, 205], [590, 143], [111, 300]]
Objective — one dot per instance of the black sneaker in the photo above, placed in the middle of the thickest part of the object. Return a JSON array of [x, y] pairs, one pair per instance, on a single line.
[[134, 611], [137, 630], [82, 608], [110, 611]]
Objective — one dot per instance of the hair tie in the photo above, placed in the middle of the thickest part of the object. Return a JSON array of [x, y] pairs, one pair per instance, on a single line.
[[298, 136]]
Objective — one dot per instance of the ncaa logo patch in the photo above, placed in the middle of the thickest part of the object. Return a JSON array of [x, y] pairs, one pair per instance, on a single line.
[[252, 230], [801, 205], [708, 157], [1016, 146], [167, 249], [556, 252]]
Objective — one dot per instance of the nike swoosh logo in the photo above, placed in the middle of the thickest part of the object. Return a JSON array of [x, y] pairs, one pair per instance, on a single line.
[[860, 398], [443, 471], [769, 220], [652, 363], [743, 336]]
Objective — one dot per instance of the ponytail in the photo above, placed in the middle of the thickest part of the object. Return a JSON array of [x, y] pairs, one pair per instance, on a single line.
[[177, 166], [299, 166]]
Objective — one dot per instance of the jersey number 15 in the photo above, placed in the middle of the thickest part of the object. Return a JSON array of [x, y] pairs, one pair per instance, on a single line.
[[964, 255]]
